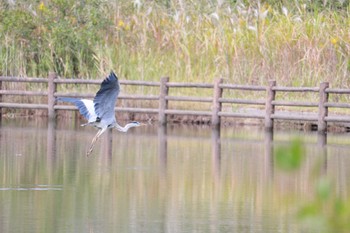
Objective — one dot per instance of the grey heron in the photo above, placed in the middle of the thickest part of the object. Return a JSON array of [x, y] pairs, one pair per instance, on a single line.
[[100, 111]]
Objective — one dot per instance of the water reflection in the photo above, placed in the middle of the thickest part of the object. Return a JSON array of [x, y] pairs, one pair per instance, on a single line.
[[268, 158], [215, 145], [162, 147], [51, 141], [322, 144], [216, 152], [155, 179], [109, 145]]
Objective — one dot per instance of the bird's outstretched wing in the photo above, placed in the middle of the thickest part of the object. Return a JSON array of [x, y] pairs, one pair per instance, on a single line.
[[86, 107], [104, 101]]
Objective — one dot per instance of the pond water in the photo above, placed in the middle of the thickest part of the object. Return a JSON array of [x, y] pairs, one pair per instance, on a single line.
[[156, 179]]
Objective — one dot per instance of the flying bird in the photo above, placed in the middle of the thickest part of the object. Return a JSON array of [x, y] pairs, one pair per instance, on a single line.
[[100, 111]]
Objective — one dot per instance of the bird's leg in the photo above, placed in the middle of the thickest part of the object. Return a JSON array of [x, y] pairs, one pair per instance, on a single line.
[[92, 144], [94, 140]]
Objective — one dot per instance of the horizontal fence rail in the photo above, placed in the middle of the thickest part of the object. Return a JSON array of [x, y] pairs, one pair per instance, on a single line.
[[265, 108]]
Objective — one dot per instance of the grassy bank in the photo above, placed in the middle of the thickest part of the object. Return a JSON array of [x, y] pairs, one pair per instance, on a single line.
[[296, 44]]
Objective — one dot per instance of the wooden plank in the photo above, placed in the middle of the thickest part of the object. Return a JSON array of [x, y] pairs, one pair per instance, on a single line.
[[75, 95], [337, 118], [294, 103], [242, 115], [294, 117], [337, 105], [117, 109], [242, 87], [189, 98], [30, 106], [66, 107], [139, 83], [25, 93], [78, 81], [296, 89], [23, 79], [337, 91], [91, 96], [242, 101], [190, 85], [139, 97], [138, 110], [187, 112], [98, 82]]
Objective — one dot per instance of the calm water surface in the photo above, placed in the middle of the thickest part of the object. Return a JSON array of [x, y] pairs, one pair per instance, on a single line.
[[153, 179]]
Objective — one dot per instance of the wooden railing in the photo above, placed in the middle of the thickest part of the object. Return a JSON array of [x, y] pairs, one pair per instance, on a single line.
[[265, 107]]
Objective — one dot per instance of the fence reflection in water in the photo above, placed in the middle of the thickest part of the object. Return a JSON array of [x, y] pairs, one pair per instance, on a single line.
[[187, 179], [268, 160]]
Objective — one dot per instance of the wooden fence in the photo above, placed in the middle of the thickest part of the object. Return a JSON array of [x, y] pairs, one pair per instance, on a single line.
[[267, 105]]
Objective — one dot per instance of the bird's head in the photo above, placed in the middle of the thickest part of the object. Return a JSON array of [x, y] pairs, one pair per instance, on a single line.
[[135, 124], [127, 126]]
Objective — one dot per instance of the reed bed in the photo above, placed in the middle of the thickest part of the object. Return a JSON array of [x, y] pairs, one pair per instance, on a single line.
[[245, 42]]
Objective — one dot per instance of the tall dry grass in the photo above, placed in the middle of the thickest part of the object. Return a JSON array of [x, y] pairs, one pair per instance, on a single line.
[[245, 42]]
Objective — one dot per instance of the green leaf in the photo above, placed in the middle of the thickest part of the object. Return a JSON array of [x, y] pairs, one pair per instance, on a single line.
[[290, 157], [323, 189]]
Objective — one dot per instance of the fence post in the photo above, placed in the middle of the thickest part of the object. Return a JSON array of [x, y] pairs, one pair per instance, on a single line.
[[215, 118], [322, 108], [163, 102], [269, 107], [51, 100]]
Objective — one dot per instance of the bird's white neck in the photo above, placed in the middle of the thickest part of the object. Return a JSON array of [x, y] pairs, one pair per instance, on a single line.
[[125, 128]]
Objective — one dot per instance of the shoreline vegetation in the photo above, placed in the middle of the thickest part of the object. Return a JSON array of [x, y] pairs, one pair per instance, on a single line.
[[297, 43]]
